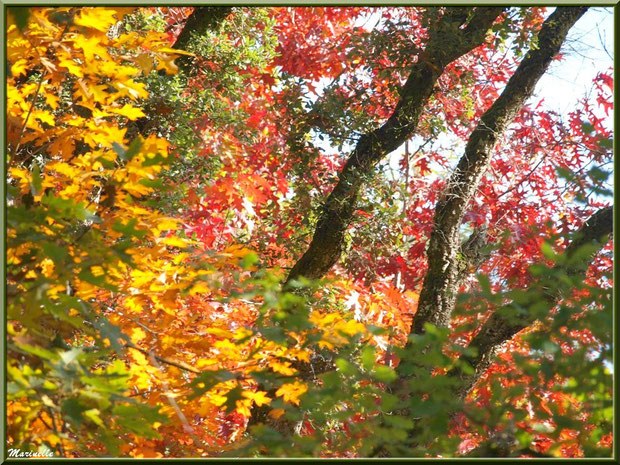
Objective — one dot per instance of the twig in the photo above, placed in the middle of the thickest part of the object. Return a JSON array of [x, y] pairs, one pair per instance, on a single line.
[[406, 177], [47, 425], [136, 321], [523, 179], [34, 101], [173, 363], [60, 446], [173, 403], [36, 94]]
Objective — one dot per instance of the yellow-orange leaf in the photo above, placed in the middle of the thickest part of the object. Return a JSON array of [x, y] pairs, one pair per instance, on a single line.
[[291, 392]]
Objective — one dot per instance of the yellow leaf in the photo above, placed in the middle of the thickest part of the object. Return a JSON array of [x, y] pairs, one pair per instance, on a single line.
[[351, 327], [100, 93], [166, 62], [47, 267], [145, 62], [91, 46], [44, 116], [174, 241], [93, 414], [205, 362], [243, 407], [132, 89], [96, 18], [97, 271], [52, 439], [137, 334], [199, 288], [129, 111], [219, 332], [19, 67], [291, 392], [52, 100], [258, 397], [282, 368], [217, 399], [73, 68], [277, 413], [174, 50]]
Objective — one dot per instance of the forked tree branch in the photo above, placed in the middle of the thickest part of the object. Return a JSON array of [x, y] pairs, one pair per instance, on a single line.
[[452, 37], [441, 282]]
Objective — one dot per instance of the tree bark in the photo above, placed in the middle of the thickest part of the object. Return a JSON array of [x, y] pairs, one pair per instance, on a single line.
[[500, 328], [202, 19], [448, 40], [441, 282]]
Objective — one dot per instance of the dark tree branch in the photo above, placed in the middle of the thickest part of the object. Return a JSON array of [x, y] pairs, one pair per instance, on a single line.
[[500, 328], [441, 283], [448, 40], [202, 19]]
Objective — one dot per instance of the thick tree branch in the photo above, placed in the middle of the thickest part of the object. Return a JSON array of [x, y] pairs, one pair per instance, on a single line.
[[449, 39], [441, 281], [202, 19], [499, 328]]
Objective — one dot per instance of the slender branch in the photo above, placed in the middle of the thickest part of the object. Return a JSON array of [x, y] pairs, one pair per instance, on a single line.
[[136, 321], [180, 365], [60, 446], [47, 425], [523, 179], [36, 94], [34, 101]]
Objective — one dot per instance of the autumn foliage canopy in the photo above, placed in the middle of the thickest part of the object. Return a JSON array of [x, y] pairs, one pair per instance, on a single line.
[[305, 232]]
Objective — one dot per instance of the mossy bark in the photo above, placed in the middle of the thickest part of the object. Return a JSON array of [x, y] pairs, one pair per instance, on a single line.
[[441, 282], [448, 40]]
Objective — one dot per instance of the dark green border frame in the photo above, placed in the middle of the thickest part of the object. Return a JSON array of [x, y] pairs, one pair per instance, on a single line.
[[6, 3]]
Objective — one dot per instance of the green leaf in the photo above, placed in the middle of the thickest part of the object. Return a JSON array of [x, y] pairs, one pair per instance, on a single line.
[[128, 229], [93, 415], [207, 380], [139, 419], [72, 409], [368, 357], [346, 367], [384, 374], [57, 253], [587, 128], [232, 397], [548, 252]]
